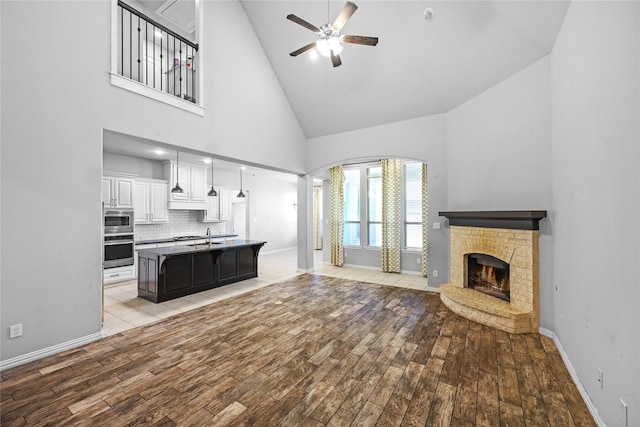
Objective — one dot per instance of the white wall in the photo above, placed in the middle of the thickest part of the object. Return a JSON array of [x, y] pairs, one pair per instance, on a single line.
[[419, 139], [595, 77], [247, 116], [499, 144], [498, 158], [272, 216], [55, 107], [144, 168]]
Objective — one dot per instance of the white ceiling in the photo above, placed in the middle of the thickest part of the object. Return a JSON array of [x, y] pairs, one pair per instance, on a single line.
[[418, 68], [177, 15]]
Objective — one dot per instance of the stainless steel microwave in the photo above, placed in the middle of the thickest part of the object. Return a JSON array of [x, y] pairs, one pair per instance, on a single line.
[[118, 221]]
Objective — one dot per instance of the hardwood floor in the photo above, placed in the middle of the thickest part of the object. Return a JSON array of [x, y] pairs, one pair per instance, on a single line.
[[310, 351]]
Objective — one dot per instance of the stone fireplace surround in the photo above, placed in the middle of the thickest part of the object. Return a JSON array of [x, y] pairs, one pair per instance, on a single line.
[[511, 236]]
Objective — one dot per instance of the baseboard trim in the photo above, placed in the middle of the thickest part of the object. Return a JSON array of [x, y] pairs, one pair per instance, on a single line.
[[574, 376], [378, 268], [275, 251], [431, 289], [39, 354]]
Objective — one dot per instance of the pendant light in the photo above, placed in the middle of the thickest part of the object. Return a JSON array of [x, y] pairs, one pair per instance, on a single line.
[[212, 192], [177, 188], [241, 194]]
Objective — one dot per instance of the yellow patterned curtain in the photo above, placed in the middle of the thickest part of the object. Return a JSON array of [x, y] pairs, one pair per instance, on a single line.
[[336, 216], [391, 201], [425, 221], [317, 229]]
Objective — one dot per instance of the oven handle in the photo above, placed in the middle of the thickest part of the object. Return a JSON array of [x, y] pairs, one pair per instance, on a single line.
[[119, 242]]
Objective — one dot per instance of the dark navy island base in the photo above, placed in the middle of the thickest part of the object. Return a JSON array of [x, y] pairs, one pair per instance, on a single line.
[[176, 271]]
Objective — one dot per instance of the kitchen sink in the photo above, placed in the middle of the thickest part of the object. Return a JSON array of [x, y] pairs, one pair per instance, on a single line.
[[205, 244]]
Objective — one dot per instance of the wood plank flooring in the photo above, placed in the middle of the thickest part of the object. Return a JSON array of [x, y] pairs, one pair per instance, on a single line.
[[310, 351]]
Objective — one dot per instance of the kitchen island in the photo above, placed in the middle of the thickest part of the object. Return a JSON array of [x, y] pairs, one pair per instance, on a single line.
[[175, 271]]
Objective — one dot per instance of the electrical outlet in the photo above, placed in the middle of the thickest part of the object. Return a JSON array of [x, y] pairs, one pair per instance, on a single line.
[[15, 331], [346, 255], [435, 273], [601, 378], [418, 261], [436, 226]]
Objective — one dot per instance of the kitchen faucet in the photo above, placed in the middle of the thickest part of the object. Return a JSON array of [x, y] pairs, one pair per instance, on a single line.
[[208, 235]]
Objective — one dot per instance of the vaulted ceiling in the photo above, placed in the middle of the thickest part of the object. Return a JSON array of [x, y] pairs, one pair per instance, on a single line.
[[418, 68]]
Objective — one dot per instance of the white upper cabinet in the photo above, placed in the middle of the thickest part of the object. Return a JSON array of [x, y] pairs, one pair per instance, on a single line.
[[198, 182], [158, 202], [212, 214], [225, 204], [141, 202], [192, 180], [117, 191], [150, 201]]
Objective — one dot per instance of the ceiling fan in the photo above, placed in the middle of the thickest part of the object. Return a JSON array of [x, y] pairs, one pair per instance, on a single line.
[[330, 42]]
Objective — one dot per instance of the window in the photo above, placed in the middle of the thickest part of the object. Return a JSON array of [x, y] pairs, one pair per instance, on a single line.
[[352, 207], [374, 205], [363, 186], [413, 205]]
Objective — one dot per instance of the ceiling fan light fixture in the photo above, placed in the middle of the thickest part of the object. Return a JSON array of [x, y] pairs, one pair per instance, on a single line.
[[328, 44]]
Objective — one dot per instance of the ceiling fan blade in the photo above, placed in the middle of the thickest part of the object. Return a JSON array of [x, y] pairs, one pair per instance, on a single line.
[[302, 22], [346, 12], [369, 41], [303, 49], [335, 60]]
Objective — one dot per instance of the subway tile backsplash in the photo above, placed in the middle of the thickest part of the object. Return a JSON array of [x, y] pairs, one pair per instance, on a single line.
[[181, 223]]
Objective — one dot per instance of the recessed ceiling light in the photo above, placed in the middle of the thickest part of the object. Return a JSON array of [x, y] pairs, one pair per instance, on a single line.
[[207, 161], [158, 152]]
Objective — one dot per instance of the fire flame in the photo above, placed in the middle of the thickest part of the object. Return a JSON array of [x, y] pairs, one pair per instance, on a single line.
[[488, 275]]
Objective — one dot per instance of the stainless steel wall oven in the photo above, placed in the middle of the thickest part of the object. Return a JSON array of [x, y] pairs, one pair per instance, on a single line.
[[118, 250], [118, 238]]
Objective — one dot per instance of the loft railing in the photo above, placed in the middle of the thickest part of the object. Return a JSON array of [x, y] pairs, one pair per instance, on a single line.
[[155, 56]]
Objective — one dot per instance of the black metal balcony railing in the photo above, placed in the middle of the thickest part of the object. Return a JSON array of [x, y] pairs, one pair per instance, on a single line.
[[155, 56]]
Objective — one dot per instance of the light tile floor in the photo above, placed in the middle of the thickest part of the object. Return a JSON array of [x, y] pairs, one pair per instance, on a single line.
[[123, 310]]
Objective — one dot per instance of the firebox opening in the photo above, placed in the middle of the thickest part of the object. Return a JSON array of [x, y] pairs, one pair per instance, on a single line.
[[489, 275]]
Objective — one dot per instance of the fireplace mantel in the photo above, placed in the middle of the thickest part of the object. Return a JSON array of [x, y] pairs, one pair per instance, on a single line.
[[520, 220]]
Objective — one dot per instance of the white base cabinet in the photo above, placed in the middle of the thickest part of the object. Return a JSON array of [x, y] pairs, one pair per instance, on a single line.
[[118, 274]]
